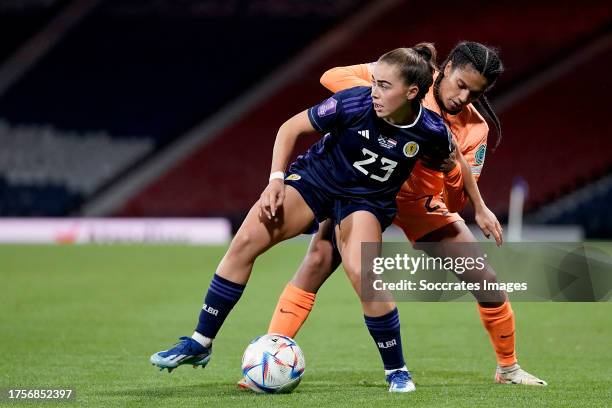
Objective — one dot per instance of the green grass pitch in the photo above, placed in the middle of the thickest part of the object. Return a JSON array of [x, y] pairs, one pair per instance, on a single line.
[[89, 317]]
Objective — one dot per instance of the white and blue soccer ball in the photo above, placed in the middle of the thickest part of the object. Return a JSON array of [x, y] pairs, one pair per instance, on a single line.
[[273, 364]]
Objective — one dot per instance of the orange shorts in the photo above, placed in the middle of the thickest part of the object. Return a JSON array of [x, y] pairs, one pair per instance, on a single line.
[[418, 217]]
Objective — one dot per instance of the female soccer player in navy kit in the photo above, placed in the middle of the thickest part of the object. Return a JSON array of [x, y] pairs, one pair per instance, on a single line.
[[373, 138]]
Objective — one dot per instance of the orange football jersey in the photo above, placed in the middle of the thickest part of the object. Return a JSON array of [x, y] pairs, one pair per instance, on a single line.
[[469, 130]]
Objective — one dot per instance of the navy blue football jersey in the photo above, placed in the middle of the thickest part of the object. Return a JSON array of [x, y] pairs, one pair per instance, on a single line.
[[362, 155]]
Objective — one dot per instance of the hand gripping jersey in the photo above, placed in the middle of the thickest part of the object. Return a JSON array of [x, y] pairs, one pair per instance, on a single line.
[[362, 160]]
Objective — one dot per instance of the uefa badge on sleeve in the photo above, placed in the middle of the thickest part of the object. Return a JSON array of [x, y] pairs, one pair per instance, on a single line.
[[411, 149], [327, 108], [479, 156]]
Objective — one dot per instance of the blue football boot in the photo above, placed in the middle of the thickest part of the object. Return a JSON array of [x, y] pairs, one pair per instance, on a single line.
[[400, 381], [186, 351]]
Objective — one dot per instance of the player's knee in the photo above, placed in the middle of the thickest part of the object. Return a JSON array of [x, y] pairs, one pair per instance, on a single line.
[[319, 259], [353, 270], [314, 270], [242, 244], [489, 275]]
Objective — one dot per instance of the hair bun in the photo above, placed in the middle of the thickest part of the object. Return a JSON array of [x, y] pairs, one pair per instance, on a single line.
[[426, 50]]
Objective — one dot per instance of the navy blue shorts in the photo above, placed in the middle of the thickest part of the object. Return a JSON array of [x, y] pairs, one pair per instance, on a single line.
[[325, 206]]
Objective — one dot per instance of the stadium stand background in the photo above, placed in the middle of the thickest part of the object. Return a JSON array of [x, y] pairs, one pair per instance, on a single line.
[[126, 81], [104, 103]]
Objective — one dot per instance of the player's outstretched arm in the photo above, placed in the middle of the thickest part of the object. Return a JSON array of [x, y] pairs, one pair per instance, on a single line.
[[486, 220], [340, 78], [274, 194]]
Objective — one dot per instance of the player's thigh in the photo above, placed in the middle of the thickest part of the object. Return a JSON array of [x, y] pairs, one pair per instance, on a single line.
[[455, 240], [455, 231], [355, 229], [257, 234], [321, 260]]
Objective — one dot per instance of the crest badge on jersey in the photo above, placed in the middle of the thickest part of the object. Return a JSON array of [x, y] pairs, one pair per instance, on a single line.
[[327, 108], [293, 177], [411, 149], [479, 156]]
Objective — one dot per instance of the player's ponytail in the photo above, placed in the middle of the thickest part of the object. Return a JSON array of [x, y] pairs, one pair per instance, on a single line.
[[416, 66], [483, 106]]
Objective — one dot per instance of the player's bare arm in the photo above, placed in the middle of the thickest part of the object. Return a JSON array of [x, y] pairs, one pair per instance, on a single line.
[[486, 220], [273, 195]]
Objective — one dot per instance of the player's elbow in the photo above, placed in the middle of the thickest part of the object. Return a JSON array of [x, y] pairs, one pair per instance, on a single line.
[[296, 126], [327, 79]]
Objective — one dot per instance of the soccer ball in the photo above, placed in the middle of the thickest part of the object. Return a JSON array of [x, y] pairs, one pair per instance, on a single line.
[[273, 363]]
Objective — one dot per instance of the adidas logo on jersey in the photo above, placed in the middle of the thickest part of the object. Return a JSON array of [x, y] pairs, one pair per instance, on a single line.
[[364, 133]]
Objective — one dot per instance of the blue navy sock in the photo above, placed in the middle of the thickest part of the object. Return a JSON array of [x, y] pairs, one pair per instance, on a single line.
[[221, 297], [385, 330]]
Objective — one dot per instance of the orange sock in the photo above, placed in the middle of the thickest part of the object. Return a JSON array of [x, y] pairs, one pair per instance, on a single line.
[[499, 322], [292, 310]]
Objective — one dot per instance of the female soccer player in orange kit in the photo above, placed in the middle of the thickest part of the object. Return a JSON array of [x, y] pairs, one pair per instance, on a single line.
[[428, 201]]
